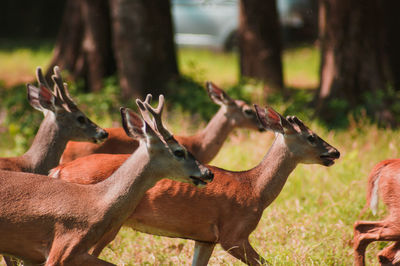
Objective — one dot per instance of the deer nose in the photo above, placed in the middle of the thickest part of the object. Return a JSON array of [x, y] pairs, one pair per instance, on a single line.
[[209, 175], [104, 134], [335, 153]]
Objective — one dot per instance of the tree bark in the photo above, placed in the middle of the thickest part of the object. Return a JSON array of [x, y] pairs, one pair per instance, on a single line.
[[260, 43], [68, 46], [392, 44], [143, 45], [353, 57], [83, 45]]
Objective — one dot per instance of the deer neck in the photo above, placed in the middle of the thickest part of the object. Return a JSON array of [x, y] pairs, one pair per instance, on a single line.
[[210, 140], [271, 174], [47, 147], [124, 189]]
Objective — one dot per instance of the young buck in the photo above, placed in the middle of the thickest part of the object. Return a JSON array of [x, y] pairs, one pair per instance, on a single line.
[[227, 210], [63, 121], [52, 222], [204, 145], [383, 180]]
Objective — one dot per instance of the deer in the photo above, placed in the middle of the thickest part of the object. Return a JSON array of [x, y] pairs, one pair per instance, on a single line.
[[382, 181], [227, 210], [53, 222], [204, 145], [63, 121]]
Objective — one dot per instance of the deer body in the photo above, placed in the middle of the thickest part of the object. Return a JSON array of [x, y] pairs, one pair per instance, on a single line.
[[229, 208], [383, 181], [204, 145], [58, 222]]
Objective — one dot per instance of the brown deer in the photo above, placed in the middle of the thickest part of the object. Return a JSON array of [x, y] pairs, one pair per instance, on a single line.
[[204, 145], [63, 121], [53, 222], [383, 181], [227, 210]]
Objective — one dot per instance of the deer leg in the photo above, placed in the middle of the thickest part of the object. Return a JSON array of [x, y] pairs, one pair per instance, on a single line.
[[390, 255], [86, 259], [202, 253], [243, 251], [103, 242], [366, 232]]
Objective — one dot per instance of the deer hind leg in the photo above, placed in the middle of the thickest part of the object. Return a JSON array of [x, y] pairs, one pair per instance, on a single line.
[[243, 251], [202, 253], [103, 242], [366, 232], [390, 255]]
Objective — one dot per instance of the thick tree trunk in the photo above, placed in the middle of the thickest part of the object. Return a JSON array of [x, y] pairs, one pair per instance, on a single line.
[[260, 42], [83, 46], [68, 46], [97, 42], [353, 57], [392, 44], [143, 45]]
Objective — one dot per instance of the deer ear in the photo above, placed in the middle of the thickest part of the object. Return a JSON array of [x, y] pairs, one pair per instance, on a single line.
[[217, 95], [269, 119], [41, 98], [134, 126]]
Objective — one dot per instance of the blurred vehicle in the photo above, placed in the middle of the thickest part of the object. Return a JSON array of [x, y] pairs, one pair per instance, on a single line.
[[214, 23]]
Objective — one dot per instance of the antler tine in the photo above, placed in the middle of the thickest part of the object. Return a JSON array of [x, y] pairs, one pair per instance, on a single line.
[[143, 110], [300, 123], [61, 88], [294, 120], [157, 118], [40, 78]]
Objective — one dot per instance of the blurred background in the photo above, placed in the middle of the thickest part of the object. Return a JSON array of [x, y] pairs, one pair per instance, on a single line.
[[337, 58], [333, 63]]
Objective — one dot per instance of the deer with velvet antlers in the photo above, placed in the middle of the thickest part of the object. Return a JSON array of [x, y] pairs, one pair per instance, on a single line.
[[228, 209], [204, 145], [52, 222], [63, 121]]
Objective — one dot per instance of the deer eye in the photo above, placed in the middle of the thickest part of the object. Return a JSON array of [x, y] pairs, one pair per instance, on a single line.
[[311, 139], [81, 119], [179, 153]]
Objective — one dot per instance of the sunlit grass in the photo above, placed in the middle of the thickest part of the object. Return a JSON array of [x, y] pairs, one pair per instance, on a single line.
[[301, 66], [18, 65]]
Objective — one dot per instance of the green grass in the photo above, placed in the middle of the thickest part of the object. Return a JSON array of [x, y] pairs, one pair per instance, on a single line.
[[310, 223]]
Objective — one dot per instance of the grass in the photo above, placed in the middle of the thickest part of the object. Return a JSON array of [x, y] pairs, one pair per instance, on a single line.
[[310, 223]]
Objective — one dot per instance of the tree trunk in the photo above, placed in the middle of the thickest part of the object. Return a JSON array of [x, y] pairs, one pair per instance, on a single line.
[[143, 45], [68, 46], [392, 44], [97, 42], [353, 56], [260, 42]]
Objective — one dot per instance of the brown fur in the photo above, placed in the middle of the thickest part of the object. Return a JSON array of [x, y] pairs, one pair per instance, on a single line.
[[388, 229]]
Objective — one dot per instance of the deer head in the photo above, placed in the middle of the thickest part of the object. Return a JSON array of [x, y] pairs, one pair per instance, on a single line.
[[302, 142], [172, 158], [240, 113], [59, 104]]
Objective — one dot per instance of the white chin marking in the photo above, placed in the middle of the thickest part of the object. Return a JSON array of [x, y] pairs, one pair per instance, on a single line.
[[54, 174]]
